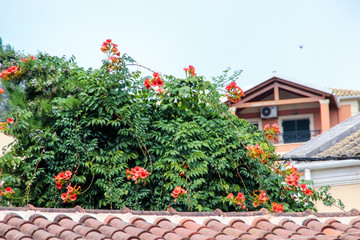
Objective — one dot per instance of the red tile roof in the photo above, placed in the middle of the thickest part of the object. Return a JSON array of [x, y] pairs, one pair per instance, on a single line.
[[77, 223], [344, 92], [347, 147]]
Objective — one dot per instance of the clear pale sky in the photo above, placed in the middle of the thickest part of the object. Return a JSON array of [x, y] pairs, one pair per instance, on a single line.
[[255, 36]]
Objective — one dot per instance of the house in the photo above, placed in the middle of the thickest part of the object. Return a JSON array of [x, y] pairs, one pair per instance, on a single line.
[[4, 141], [302, 112], [348, 97], [333, 158], [76, 223]]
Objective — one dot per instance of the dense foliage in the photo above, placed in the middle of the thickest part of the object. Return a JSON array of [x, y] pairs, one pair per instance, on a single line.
[[141, 143]]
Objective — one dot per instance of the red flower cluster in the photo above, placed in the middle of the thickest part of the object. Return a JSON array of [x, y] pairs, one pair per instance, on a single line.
[[306, 190], [71, 193], [293, 178], [190, 71], [234, 92], [27, 59], [109, 46], [11, 72], [9, 120], [1, 91], [271, 133], [254, 151], [261, 198], [8, 192], [62, 178], [136, 173], [4, 124], [155, 82], [177, 192], [277, 207], [239, 199]]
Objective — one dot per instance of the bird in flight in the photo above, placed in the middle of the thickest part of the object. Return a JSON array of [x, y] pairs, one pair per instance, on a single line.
[[301, 46]]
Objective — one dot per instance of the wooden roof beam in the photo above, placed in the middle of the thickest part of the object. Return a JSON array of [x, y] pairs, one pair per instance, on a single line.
[[276, 91], [297, 91], [277, 102], [258, 93]]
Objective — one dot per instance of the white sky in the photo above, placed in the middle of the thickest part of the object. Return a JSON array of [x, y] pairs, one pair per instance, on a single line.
[[257, 36]]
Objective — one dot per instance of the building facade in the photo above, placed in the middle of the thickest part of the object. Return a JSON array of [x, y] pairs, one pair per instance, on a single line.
[[301, 112]]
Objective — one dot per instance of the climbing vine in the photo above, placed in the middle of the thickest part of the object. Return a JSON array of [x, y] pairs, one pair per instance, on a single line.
[[109, 138]]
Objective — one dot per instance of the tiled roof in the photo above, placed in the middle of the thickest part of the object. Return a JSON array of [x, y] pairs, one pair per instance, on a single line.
[[344, 92], [51, 224], [348, 147], [342, 140]]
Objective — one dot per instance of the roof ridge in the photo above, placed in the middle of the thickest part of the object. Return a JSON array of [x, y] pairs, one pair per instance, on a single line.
[[217, 212]]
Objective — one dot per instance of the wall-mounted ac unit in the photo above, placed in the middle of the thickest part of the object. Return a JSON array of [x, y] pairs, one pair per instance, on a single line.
[[268, 112]]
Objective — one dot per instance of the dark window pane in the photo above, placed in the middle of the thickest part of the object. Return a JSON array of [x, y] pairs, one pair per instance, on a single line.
[[296, 130], [303, 125], [289, 126]]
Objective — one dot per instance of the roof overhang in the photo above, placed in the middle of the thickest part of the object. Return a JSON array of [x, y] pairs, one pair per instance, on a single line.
[[308, 94]]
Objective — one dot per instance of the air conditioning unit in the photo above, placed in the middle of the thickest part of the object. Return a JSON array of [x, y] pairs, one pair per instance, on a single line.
[[268, 112]]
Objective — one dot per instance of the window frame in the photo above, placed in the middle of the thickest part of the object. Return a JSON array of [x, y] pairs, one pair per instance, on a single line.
[[296, 117]]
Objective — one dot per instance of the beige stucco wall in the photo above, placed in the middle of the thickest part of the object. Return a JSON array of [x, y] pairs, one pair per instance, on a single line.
[[353, 103], [349, 195], [4, 140]]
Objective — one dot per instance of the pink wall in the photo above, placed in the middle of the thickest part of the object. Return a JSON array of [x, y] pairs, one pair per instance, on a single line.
[[344, 112], [334, 116], [314, 111], [283, 148]]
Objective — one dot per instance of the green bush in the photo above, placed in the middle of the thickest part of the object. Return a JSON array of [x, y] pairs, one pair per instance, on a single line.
[[97, 123]]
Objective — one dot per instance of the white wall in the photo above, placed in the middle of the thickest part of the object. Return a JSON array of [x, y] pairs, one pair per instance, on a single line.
[[4, 140]]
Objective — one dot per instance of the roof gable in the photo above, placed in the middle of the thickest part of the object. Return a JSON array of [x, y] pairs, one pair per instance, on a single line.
[[278, 91]]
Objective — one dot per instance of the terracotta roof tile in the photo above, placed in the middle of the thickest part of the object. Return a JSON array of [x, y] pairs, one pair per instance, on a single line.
[[16, 235], [239, 224], [159, 231], [345, 228], [201, 237], [55, 229], [272, 236], [225, 237], [348, 147], [134, 231], [251, 237], [315, 225], [215, 224], [258, 232], [190, 224], [184, 232], [209, 232], [344, 92], [117, 223], [139, 225], [66, 222], [265, 224], [173, 236], [69, 235], [234, 232], [165, 223]]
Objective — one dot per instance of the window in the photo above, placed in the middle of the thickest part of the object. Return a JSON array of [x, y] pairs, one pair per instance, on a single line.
[[296, 130], [256, 122]]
